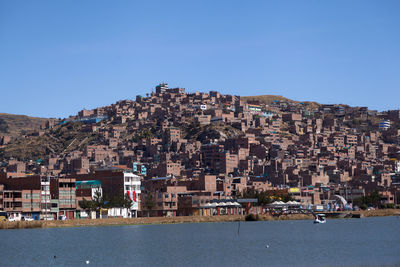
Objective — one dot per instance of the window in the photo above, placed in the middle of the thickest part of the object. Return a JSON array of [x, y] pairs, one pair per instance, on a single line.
[[65, 193], [67, 201], [27, 196], [166, 195], [45, 188], [159, 204], [173, 195], [27, 205], [43, 206], [159, 195]]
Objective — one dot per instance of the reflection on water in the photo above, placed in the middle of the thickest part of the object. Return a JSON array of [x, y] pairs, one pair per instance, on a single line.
[[371, 241]]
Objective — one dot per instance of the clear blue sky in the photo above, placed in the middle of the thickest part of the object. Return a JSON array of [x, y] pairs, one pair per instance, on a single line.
[[58, 57]]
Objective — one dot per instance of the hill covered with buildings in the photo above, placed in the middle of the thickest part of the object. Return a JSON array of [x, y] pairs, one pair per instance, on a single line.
[[187, 149]]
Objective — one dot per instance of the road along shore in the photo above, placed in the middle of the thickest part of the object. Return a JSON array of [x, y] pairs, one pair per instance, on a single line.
[[173, 220]]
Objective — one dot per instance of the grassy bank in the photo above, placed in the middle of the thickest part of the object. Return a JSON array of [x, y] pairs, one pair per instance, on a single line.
[[173, 220], [119, 221]]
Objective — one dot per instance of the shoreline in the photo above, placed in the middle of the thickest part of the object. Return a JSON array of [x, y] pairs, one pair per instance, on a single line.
[[175, 220]]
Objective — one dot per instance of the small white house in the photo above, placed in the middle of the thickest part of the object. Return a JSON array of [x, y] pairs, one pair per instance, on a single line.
[[119, 212]]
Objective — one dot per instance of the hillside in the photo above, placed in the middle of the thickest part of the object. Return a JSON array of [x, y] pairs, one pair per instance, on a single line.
[[269, 99], [213, 131], [65, 138], [14, 125]]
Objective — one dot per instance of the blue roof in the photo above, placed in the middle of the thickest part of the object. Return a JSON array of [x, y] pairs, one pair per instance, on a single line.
[[161, 178], [88, 184]]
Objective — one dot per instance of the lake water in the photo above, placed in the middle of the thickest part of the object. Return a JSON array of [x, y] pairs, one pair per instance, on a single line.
[[341, 242]]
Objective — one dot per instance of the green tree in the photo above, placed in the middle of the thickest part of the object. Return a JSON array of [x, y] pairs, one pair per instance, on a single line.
[[86, 205], [147, 133], [127, 202], [373, 199], [120, 202], [149, 203]]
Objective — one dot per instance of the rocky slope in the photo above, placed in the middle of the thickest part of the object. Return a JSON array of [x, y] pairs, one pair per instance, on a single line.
[[14, 125]]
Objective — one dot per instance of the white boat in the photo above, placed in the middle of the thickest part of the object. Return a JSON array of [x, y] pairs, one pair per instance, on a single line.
[[320, 218]]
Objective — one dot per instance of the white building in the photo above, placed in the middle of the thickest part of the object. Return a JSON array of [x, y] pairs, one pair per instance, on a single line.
[[132, 185], [45, 203]]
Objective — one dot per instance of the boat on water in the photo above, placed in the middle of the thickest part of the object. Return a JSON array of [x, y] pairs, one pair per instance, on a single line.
[[320, 218]]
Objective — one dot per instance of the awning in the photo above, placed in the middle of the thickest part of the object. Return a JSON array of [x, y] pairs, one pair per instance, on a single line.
[[209, 206], [88, 184]]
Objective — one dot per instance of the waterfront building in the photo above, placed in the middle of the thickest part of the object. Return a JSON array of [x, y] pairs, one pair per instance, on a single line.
[[184, 149], [66, 195], [117, 182]]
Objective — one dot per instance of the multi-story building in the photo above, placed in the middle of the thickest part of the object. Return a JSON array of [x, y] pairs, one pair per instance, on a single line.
[[12, 203], [27, 196], [67, 197], [45, 203], [117, 183], [132, 189]]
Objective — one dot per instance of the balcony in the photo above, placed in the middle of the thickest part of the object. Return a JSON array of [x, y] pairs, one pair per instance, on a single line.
[[67, 206], [11, 207], [30, 209], [67, 189], [12, 199]]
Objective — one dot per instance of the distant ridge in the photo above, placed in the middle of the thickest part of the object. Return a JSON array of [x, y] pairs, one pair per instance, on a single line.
[[13, 125]]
